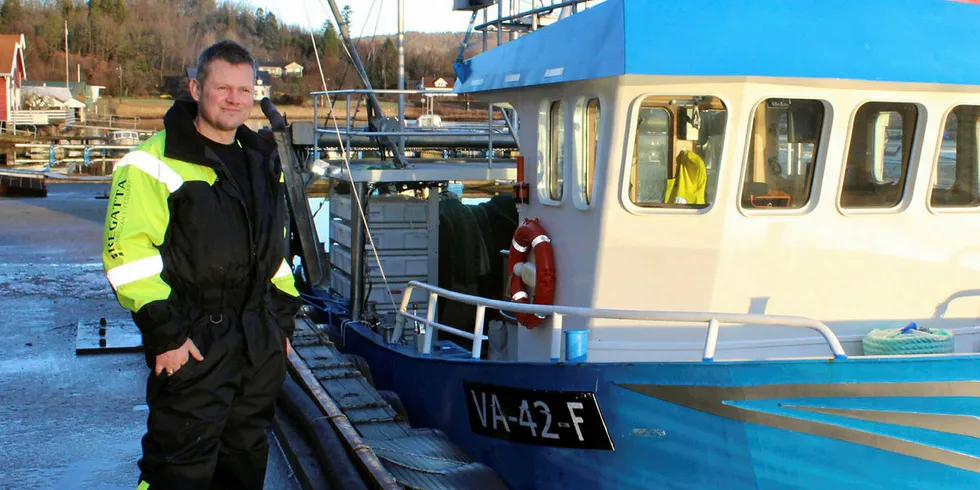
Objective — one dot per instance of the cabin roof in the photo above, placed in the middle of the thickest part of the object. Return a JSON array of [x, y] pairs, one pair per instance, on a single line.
[[926, 41]]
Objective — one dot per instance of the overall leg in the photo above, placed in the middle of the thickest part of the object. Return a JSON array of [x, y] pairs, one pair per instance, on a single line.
[[244, 449], [188, 412]]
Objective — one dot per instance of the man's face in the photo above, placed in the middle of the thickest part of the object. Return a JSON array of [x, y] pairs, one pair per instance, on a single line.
[[225, 98]]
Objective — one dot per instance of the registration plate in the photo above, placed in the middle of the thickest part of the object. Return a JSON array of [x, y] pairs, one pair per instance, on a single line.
[[548, 418]]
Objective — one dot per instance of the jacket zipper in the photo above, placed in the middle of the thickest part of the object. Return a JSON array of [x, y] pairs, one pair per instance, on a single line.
[[248, 216]]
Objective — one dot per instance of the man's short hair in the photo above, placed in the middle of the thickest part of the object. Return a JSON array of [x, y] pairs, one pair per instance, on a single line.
[[227, 50]]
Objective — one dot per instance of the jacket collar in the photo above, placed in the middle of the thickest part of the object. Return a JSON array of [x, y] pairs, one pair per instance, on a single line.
[[183, 142]]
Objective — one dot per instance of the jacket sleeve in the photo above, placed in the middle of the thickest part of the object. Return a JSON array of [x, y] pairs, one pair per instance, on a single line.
[[285, 297], [137, 218]]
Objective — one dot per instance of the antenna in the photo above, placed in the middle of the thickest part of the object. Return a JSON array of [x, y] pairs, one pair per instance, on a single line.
[[67, 75], [401, 74]]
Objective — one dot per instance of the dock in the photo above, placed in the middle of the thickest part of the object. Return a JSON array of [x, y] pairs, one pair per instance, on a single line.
[[67, 420], [73, 416]]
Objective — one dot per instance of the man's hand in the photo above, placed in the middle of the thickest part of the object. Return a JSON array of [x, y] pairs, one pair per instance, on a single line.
[[289, 348], [173, 360]]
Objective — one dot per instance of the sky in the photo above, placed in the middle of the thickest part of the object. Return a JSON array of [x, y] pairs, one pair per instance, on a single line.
[[420, 15]]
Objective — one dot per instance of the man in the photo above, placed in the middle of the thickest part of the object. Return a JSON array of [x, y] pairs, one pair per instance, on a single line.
[[194, 247]]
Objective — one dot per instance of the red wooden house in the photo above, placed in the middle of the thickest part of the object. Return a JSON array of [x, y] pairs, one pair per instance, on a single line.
[[12, 74]]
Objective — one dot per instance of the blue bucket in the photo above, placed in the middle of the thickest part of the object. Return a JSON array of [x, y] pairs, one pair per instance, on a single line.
[[576, 345]]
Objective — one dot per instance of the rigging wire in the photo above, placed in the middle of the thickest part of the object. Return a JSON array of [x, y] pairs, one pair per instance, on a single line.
[[367, 19], [350, 175], [374, 44], [343, 77]]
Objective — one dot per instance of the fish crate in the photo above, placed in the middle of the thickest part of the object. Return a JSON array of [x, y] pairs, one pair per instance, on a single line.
[[416, 238], [383, 209], [376, 291], [395, 264]]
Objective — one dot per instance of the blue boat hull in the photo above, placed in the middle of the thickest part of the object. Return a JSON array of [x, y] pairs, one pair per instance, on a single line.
[[761, 424]]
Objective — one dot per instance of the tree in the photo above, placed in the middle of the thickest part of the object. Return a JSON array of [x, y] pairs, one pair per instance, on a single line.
[[52, 36], [158, 39], [66, 7], [328, 42], [10, 13], [267, 29], [347, 15], [383, 66]]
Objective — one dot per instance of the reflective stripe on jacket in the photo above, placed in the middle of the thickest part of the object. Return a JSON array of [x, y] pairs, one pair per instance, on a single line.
[[179, 241]]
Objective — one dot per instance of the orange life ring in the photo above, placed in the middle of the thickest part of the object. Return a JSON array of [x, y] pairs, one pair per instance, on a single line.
[[531, 235]]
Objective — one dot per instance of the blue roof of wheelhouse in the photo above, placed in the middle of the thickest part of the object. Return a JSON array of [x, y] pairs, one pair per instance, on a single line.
[[932, 41]]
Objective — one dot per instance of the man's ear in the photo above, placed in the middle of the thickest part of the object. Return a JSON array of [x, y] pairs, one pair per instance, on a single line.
[[195, 87]]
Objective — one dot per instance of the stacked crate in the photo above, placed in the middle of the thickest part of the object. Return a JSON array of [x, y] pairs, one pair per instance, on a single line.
[[405, 233]]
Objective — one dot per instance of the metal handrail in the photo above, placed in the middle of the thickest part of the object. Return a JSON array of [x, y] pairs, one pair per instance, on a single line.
[[713, 320], [498, 22], [347, 129], [444, 91], [420, 131], [53, 161]]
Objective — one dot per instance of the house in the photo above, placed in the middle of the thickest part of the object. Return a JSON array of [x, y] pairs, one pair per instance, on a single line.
[[51, 98], [436, 83], [273, 68], [293, 69], [263, 85], [13, 72], [88, 94], [281, 69], [262, 88], [435, 87]]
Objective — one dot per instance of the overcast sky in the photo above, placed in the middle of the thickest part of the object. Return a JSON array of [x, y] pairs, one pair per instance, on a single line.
[[420, 15]]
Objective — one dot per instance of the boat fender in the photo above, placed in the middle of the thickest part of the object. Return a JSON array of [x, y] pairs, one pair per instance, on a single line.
[[531, 236], [361, 364], [395, 402]]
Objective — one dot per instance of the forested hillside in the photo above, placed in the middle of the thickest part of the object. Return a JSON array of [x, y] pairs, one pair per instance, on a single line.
[[142, 47]]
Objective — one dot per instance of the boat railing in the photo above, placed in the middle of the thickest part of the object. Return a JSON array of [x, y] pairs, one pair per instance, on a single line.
[[497, 131], [112, 122], [42, 117], [714, 321], [513, 19], [57, 155]]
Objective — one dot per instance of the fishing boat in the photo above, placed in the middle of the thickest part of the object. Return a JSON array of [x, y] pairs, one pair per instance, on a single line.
[[720, 208]]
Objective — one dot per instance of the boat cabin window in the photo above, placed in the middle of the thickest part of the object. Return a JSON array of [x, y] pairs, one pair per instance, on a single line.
[[590, 148], [782, 153], [878, 158], [677, 151], [555, 168], [956, 181]]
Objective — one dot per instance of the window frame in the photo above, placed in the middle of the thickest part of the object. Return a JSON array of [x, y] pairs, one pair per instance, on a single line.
[[585, 190], [543, 169], [915, 154], [629, 150], [934, 171], [820, 161]]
